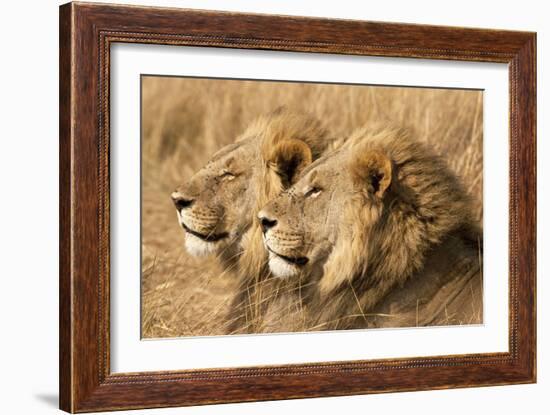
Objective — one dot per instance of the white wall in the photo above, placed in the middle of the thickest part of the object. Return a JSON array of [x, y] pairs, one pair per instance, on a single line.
[[28, 207]]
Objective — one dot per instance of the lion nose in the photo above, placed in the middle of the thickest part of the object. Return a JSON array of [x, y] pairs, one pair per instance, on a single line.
[[181, 202], [266, 223]]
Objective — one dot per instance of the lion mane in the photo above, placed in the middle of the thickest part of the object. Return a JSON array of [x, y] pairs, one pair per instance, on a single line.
[[416, 240], [288, 141]]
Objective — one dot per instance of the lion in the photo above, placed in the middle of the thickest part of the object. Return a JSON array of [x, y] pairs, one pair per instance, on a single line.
[[218, 206], [382, 234]]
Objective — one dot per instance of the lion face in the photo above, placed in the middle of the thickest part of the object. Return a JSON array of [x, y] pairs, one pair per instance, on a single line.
[[303, 226], [219, 203], [212, 206]]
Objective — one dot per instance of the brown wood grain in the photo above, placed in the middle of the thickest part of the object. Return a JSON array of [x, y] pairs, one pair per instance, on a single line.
[[65, 247], [86, 33]]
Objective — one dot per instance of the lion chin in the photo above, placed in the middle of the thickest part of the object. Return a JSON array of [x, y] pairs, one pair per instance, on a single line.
[[280, 268], [198, 247]]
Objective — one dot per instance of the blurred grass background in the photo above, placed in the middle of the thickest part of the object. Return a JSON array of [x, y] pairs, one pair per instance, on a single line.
[[185, 120]]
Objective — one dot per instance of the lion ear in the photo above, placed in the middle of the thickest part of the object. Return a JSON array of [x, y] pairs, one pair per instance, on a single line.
[[373, 169], [288, 158]]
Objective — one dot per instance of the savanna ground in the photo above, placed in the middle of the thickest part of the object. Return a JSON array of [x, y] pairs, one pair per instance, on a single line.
[[185, 120]]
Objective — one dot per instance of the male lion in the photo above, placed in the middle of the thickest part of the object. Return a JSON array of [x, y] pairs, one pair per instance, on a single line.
[[219, 204], [384, 231]]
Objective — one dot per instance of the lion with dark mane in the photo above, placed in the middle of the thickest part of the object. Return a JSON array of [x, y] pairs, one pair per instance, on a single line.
[[379, 233]]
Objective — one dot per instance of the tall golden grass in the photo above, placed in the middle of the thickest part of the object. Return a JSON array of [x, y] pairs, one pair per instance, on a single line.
[[185, 120]]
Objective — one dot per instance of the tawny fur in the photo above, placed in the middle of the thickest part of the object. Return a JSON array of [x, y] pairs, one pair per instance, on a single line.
[[288, 145], [263, 161], [424, 203], [405, 203]]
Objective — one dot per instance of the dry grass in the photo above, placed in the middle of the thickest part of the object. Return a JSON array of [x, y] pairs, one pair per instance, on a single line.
[[186, 120]]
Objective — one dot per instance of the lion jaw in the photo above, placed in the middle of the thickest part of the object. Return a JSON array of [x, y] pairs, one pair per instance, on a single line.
[[198, 247], [280, 268]]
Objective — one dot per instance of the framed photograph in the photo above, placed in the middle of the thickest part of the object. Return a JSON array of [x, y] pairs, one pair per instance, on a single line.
[[259, 207]]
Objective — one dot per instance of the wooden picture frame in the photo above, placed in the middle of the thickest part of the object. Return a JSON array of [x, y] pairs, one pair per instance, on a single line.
[[86, 33]]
